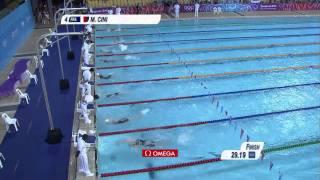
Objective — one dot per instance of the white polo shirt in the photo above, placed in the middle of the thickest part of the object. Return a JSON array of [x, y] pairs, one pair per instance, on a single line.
[[86, 57], [118, 11], [86, 75], [87, 88], [176, 8], [197, 6]]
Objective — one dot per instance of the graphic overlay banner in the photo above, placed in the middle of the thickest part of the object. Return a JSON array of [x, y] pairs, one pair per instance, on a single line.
[[110, 19], [248, 151], [159, 153]]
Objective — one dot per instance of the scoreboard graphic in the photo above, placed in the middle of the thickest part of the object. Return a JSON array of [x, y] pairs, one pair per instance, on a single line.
[[110, 19]]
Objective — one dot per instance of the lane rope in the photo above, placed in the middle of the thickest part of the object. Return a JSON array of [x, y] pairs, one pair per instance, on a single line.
[[203, 95], [204, 122], [204, 24], [198, 76], [204, 31], [213, 49], [209, 39], [212, 61]]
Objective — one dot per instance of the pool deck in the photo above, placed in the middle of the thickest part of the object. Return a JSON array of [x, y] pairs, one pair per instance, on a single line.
[[27, 50]]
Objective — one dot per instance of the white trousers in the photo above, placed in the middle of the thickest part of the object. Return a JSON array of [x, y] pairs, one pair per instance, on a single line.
[[83, 163], [177, 14]]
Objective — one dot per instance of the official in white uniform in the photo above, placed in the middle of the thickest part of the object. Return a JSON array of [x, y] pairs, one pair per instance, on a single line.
[[86, 75], [86, 58], [89, 28], [118, 11], [177, 10], [83, 157], [86, 47], [87, 88], [196, 9], [84, 106], [85, 116]]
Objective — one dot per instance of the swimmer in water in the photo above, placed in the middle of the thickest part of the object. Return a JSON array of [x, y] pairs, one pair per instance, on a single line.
[[280, 175], [106, 51], [139, 142], [125, 119], [151, 173], [113, 94], [104, 77], [118, 121], [215, 154]]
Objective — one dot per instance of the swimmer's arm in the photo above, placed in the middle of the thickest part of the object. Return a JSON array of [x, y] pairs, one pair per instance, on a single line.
[[215, 154]]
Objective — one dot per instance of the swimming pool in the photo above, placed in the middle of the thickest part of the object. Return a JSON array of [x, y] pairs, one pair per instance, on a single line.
[[193, 85]]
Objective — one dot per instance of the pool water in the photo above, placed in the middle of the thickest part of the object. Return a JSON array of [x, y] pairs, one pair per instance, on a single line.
[[262, 73]]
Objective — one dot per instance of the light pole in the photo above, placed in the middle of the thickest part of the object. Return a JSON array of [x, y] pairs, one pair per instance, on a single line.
[[66, 5], [64, 83], [54, 135], [63, 11]]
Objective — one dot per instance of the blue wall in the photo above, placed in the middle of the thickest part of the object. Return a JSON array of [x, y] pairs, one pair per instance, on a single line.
[[14, 30]]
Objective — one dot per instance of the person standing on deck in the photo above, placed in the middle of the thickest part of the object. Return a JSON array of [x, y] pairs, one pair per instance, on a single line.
[[177, 10], [82, 155], [118, 10], [196, 9]]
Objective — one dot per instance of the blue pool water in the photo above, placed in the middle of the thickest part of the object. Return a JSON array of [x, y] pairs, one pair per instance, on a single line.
[[264, 72]]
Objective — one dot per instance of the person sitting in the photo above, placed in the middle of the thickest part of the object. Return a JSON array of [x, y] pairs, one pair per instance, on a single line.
[[85, 116], [85, 88], [86, 59], [87, 74]]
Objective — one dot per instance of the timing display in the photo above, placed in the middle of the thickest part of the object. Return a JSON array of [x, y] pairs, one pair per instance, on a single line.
[[248, 151]]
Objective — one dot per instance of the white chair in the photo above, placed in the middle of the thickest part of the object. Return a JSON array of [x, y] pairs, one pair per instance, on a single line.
[[219, 11], [44, 51], [37, 61], [23, 95], [32, 76], [1, 156], [48, 42], [10, 121]]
